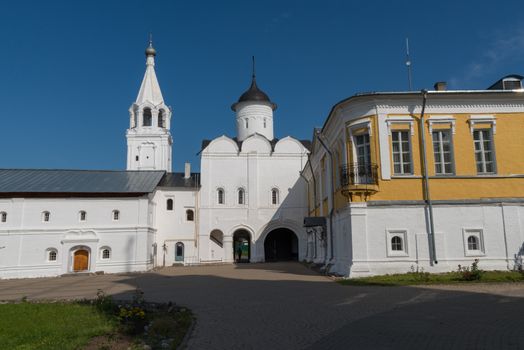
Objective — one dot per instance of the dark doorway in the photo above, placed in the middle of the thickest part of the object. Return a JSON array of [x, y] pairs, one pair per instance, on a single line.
[[281, 245], [241, 246]]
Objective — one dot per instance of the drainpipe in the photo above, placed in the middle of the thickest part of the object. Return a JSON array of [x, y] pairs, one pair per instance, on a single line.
[[426, 178], [307, 182], [314, 197], [505, 235], [332, 193]]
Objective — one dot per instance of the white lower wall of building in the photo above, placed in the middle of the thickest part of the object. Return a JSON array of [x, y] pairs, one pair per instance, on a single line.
[[363, 234]]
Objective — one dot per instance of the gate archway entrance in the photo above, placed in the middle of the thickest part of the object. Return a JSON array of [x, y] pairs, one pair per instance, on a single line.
[[242, 246], [281, 244]]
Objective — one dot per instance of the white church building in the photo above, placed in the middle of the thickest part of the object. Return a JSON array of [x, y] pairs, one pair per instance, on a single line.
[[246, 205]]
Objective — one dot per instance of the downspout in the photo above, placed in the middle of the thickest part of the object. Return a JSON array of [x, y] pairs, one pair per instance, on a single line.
[[307, 182], [505, 234], [332, 193], [314, 197], [426, 178]]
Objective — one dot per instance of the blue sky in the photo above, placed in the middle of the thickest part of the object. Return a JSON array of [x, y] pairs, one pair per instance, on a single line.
[[71, 69]]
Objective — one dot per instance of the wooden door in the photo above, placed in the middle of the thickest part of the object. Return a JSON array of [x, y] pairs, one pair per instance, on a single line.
[[81, 260]]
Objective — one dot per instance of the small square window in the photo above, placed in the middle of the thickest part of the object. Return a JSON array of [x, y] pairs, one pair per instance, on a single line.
[[473, 242], [397, 244]]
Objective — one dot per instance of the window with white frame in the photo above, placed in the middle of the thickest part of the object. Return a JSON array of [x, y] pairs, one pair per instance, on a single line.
[[484, 154], [52, 254], [82, 215], [274, 196], [400, 141], [105, 253], [169, 204], [396, 243], [220, 196], [46, 216], [443, 152], [3, 216], [241, 196], [473, 242], [116, 215]]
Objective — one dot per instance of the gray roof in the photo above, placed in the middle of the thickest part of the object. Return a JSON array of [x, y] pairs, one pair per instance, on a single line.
[[178, 180], [78, 181]]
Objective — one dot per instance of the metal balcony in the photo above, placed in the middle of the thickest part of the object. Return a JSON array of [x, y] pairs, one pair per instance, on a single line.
[[359, 178]]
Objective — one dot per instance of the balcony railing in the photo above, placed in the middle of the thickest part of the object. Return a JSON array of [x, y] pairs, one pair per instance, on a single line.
[[359, 174]]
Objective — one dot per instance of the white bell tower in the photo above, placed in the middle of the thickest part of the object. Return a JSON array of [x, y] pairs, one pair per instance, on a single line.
[[148, 138]]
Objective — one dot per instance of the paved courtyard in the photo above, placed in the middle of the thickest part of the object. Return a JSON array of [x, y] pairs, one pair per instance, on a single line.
[[286, 306]]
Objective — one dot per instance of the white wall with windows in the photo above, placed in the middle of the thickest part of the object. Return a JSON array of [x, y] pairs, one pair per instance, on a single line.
[[382, 239], [33, 247], [170, 207], [272, 193]]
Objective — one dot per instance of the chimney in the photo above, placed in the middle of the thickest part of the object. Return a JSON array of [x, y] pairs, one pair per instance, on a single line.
[[187, 171], [440, 86]]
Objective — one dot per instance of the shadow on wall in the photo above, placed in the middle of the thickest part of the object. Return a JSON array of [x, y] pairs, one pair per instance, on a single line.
[[286, 238]]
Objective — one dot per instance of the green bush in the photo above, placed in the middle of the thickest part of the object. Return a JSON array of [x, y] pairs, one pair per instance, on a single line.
[[472, 273]]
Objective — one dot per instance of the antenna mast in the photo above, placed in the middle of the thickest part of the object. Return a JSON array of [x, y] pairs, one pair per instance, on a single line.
[[408, 65]]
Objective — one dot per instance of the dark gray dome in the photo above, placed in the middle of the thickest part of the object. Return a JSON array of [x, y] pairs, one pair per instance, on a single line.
[[254, 94], [150, 51]]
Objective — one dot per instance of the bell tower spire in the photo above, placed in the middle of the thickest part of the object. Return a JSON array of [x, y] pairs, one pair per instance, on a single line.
[[149, 142]]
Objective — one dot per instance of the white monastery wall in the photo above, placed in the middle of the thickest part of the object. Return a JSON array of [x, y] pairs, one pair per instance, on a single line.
[[26, 239]]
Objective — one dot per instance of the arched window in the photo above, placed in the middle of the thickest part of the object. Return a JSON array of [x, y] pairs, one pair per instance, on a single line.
[[46, 216], [247, 123], [147, 117], [179, 251], [473, 243], [82, 215], [3, 216], [161, 119], [396, 244], [274, 196], [116, 215], [264, 122], [241, 196], [169, 204], [52, 254], [190, 215], [220, 196], [105, 253]]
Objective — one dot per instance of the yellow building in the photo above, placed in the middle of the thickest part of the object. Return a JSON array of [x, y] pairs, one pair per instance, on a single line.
[[420, 180]]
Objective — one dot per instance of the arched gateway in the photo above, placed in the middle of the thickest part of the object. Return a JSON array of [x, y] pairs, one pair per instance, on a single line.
[[281, 244], [242, 246]]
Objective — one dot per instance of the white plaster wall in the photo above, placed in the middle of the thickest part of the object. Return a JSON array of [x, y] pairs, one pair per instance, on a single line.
[[255, 113], [24, 238], [172, 226], [362, 238]]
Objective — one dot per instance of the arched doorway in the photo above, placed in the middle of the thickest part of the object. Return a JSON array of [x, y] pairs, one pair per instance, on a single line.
[[81, 260], [242, 246], [179, 252], [281, 244]]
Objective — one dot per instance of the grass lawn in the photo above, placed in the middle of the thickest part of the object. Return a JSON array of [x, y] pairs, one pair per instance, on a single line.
[[51, 325], [414, 278]]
